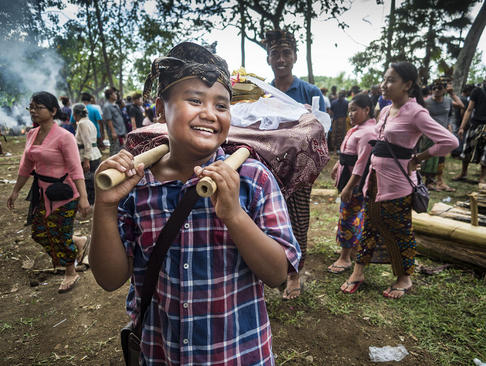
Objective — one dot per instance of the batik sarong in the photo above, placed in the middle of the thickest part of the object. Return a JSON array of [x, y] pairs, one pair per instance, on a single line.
[[299, 213], [350, 224], [474, 148], [388, 224], [55, 232]]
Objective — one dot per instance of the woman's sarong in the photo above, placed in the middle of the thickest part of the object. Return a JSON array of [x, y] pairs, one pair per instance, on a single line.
[[55, 232], [350, 224], [474, 148], [387, 224]]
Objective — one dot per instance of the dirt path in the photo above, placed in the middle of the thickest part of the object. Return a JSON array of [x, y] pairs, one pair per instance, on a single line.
[[39, 326]]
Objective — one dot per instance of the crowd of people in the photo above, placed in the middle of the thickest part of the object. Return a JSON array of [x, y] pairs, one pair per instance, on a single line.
[[208, 303]]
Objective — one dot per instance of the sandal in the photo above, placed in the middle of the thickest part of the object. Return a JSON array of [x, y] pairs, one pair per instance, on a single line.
[[69, 287], [445, 187], [459, 178], [287, 292], [340, 269], [355, 285], [401, 289]]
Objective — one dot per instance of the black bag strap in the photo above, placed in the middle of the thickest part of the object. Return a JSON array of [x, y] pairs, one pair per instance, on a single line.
[[164, 240], [390, 150], [399, 165]]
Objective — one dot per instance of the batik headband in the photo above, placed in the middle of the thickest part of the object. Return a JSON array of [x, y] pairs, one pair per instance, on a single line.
[[185, 61], [280, 38]]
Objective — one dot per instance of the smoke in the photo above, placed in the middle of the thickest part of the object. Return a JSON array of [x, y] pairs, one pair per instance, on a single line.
[[24, 70]]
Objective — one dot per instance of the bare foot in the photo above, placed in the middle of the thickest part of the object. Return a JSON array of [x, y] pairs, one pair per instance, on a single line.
[[293, 287]]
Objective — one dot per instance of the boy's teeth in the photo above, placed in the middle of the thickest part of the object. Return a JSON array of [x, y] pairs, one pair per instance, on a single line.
[[204, 129]]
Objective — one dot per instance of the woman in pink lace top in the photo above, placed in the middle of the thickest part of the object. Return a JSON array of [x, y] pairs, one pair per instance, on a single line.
[[388, 204], [51, 153]]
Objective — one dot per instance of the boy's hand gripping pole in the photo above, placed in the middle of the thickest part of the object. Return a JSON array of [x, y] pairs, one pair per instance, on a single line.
[[206, 186], [109, 178]]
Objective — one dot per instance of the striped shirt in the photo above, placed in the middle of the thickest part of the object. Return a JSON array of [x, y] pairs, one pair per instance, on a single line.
[[208, 307]]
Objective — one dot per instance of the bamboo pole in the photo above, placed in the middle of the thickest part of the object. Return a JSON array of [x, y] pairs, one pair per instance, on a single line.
[[453, 230], [110, 178], [206, 186]]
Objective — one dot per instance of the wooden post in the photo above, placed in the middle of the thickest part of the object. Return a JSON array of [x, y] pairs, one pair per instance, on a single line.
[[474, 208]]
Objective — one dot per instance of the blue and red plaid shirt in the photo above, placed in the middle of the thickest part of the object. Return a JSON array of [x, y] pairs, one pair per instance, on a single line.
[[208, 307]]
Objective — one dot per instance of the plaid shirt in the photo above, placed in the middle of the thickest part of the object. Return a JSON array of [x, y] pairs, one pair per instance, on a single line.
[[208, 307]]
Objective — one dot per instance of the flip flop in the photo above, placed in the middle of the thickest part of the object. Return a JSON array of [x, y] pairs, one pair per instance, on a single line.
[[287, 293], [459, 179], [84, 250], [353, 289], [70, 286], [402, 289], [341, 269], [446, 188]]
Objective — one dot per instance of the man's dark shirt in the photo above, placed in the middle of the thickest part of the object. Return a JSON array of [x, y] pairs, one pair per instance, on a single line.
[[136, 111]]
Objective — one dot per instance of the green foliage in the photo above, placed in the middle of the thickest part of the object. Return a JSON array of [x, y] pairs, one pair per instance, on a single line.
[[424, 33], [341, 81], [477, 71]]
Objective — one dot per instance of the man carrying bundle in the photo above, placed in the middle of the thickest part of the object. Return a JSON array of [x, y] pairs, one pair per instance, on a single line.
[[281, 56]]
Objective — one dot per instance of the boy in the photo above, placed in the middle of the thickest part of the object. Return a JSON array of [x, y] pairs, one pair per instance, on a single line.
[[208, 306]]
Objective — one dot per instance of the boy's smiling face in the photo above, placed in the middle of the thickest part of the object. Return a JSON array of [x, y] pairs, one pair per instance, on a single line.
[[197, 116]]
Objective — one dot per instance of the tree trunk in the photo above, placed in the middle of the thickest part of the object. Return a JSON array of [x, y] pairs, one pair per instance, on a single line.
[[106, 60], [424, 71], [389, 34], [242, 31], [461, 68], [91, 46], [121, 56], [308, 40]]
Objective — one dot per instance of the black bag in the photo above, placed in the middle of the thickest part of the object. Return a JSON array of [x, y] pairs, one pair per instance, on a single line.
[[130, 343], [131, 334], [420, 193], [420, 196], [59, 191]]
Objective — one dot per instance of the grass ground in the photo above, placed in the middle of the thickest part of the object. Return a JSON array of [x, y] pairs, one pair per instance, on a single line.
[[442, 322], [445, 314]]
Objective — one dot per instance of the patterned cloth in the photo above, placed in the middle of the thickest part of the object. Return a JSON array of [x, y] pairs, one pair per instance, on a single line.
[[337, 133], [208, 307], [55, 232], [295, 153], [388, 223], [299, 212], [350, 224], [184, 61], [474, 148], [279, 38]]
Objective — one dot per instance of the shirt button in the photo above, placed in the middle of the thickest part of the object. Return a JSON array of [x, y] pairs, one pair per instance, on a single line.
[[186, 225], [185, 341], [186, 266], [186, 305]]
